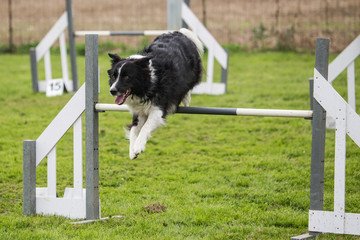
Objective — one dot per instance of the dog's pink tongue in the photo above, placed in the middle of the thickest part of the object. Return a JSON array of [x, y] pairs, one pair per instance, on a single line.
[[120, 99]]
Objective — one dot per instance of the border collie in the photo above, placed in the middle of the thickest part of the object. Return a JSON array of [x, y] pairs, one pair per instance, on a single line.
[[155, 82]]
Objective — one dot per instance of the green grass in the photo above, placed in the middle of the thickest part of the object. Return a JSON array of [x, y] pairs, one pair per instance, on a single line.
[[218, 177]]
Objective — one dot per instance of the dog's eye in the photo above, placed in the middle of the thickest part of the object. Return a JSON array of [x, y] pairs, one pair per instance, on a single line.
[[113, 76], [125, 77]]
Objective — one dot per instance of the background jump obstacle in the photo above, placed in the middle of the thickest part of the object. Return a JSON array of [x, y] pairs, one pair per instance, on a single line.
[[86, 99], [50, 85], [178, 15]]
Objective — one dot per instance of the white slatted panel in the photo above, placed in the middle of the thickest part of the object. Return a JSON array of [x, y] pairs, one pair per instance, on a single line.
[[49, 39], [61, 123]]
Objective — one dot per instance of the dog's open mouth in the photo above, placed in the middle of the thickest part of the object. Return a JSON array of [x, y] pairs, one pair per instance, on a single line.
[[120, 99]]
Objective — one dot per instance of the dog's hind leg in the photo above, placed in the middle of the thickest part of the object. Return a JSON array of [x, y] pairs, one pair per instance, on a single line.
[[154, 121], [186, 100], [138, 123]]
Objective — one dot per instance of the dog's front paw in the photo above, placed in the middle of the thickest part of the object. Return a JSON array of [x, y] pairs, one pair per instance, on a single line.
[[139, 146], [132, 155]]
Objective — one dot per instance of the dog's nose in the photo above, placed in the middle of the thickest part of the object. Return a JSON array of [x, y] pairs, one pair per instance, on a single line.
[[113, 91]]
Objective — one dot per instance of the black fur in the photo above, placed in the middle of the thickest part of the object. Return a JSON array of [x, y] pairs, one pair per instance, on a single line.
[[177, 69], [154, 82]]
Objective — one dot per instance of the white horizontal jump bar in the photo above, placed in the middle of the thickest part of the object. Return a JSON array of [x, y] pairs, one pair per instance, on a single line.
[[124, 33], [274, 113], [111, 107], [221, 111], [156, 32], [101, 33]]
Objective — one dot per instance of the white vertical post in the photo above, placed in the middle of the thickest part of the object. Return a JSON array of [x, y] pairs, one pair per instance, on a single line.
[[47, 63], [78, 157], [340, 163], [351, 85], [210, 65], [64, 64], [51, 173]]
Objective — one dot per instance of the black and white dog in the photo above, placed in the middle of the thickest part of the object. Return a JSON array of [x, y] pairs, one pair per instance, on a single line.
[[155, 82]]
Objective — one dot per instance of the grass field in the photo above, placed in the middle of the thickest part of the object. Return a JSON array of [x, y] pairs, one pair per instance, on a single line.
[[215, 177]]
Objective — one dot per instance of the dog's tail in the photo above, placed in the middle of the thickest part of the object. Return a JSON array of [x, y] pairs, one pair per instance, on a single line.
[[191, 35]]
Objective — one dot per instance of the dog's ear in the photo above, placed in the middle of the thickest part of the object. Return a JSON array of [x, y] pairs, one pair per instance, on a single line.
[[143, 61], [114, 58]]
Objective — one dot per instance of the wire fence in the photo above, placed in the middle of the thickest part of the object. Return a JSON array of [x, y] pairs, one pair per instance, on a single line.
[[279, 24]]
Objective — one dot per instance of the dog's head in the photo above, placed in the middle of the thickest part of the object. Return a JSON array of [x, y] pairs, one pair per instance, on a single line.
[[128, 76]]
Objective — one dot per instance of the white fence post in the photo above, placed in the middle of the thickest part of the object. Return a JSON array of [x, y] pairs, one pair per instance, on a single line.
[[47, 63], [78, 157], [351, 85], [51, 173], [64, 63]]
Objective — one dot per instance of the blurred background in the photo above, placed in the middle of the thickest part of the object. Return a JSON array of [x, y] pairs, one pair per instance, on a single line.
[[252, 25]]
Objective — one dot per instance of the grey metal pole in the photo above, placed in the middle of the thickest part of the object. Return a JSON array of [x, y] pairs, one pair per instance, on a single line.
[[29, 177], [318, 135], [183, 23], [34, 70], [318, 132], [72, 46], [92, 127], [174, 14], [311, 91]]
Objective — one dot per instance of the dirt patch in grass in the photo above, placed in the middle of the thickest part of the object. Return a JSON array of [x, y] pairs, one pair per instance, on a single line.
[[155, 208]]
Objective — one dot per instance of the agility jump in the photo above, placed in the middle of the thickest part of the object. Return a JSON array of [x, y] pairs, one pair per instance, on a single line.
[[86, 99]]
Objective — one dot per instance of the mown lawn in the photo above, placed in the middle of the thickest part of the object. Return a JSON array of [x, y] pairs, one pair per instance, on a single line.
[[217, 177]]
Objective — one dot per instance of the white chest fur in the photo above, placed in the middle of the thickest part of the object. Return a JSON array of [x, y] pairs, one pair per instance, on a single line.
[[138, 107]]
